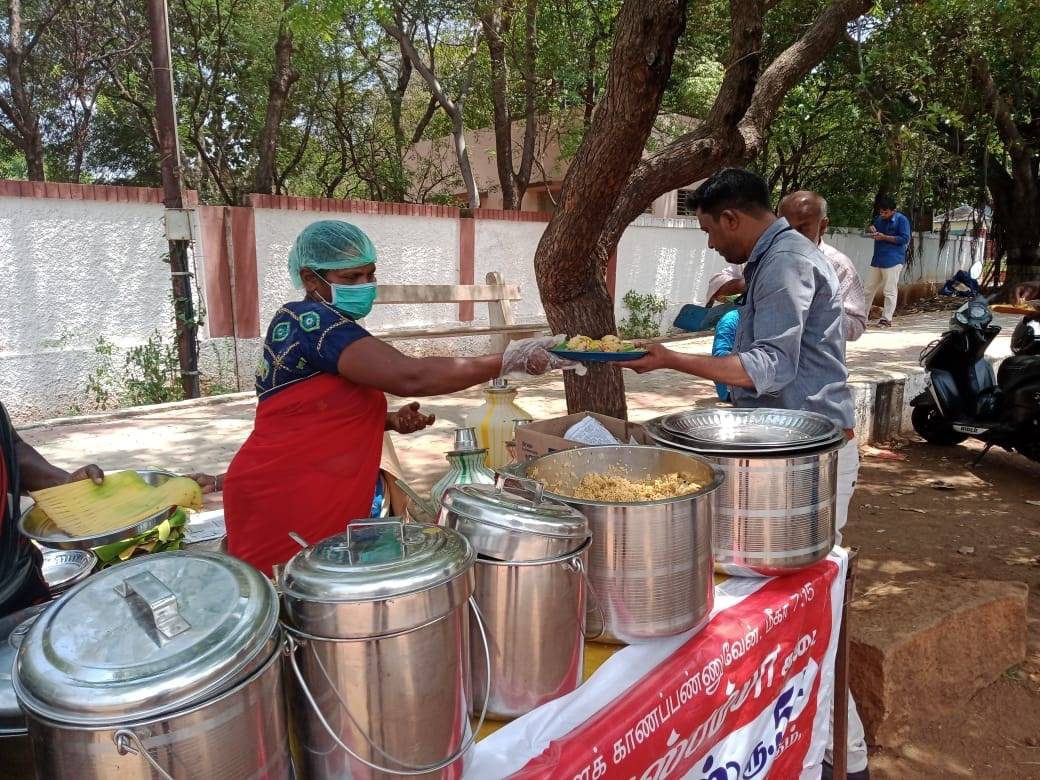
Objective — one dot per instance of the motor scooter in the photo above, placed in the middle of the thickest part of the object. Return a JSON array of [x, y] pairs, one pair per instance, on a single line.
[[963, 397]]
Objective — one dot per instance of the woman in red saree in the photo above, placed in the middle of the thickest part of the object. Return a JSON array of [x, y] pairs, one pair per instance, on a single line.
[[311, 462]]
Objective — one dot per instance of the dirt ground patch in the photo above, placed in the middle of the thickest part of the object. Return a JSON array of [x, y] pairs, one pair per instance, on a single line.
[[980, 526]]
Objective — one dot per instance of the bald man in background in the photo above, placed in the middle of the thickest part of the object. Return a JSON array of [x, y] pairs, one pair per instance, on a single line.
[[807, 213]]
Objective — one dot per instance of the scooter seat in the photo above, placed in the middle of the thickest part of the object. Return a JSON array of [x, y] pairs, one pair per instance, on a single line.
[[1018, 369]]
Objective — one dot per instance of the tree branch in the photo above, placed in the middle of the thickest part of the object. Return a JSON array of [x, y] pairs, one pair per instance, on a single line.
[[793, 64], [427, 117], [417, 62], [695, 154]]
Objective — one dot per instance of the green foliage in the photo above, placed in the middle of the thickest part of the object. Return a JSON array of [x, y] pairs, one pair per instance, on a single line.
[[152, 373], [102, 382], [644, 315], [877, 116]]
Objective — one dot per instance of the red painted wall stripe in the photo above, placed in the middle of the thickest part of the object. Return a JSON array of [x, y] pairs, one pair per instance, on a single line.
[[467, 263], [63, 190], [351, 206], [247, 291]]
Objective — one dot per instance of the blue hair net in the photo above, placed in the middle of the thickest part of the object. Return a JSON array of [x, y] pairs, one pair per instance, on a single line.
[[329, 244]]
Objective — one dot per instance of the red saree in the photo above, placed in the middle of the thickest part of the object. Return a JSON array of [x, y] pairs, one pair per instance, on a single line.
[[309, 466]]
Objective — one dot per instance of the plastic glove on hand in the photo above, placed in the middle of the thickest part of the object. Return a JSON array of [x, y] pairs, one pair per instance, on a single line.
[[531, 357]]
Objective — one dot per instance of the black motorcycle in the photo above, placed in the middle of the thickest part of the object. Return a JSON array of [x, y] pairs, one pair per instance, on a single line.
[[964, 399]]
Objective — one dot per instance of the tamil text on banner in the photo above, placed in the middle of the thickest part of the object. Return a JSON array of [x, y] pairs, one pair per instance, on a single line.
[[747, 698]]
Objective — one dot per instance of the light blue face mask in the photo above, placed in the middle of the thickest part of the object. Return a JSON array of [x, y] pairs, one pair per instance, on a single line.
[[354, 300]]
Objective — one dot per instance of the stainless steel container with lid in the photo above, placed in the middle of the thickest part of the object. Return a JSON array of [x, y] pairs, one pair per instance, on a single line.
[[379, 620], [776, 510], [513, 521], [535, 616], [650, 564], [531, 590], [15, 747], [166, 666]]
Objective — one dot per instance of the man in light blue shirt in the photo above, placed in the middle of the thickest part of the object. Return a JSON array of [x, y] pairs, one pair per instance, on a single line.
[[891, 234], [789, 350]]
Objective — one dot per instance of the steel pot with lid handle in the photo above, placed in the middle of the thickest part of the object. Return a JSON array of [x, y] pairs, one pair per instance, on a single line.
[[169, 658], [14, 731], [379, 620], [513, 521]]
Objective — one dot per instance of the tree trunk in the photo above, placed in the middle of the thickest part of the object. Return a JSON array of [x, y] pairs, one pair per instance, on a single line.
[[1015, 191], [458, 137], [281, 82], [453, 108], [25, 133], [1018, 215], [607, 186], [570, 263], [496, 23], [523, 175], [34, 157]]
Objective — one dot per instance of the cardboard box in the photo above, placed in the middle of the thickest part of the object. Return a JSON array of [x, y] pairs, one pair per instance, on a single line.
[[545, 436]]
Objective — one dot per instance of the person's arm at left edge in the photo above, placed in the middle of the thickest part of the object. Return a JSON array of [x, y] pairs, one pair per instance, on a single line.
[[38, 473]]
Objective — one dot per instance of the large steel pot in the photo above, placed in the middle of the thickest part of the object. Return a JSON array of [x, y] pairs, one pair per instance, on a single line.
[[775, 512], [775, 515], [165, 666], [15, 746], [535, 616], [379, 619], [650, 564]]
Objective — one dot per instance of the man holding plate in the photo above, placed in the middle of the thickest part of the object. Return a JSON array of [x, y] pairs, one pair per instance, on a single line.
[[789, 351]]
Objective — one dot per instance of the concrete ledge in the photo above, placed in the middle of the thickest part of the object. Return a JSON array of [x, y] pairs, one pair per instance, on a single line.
[[920, 650], [139, 411]]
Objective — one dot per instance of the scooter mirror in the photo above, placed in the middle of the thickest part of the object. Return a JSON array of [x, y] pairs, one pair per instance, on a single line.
[[975, 272]]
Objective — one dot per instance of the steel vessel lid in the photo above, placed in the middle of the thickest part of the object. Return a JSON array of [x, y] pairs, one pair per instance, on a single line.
[[758, 428], [375, 561], [147, 637], [516, 504], [13, 629]]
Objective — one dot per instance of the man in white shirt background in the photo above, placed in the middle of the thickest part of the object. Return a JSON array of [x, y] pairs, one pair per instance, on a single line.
[[807, 213]]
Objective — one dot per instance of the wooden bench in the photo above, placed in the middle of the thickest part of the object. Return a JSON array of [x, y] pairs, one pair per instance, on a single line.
[[499, 297]]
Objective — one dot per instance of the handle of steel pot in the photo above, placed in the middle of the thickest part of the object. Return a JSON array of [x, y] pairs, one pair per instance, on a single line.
[[579, 566], [426, 507], [411, 770], [529, 485], [147, 592], [128, 742]]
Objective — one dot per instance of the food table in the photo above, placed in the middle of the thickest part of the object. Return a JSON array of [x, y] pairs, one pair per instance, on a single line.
[[750, 696]]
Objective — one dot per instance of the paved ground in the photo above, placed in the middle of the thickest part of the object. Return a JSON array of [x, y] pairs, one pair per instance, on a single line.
[[186, 437]]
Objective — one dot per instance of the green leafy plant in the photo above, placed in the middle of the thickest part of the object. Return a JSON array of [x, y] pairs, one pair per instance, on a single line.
[[152, 373], [644, 315], [101, 383]]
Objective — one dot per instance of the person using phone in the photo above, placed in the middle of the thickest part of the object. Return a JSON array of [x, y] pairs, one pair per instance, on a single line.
[[891, 233]]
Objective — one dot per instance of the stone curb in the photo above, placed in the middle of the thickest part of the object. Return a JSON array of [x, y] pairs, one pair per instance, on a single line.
[[139, 411]]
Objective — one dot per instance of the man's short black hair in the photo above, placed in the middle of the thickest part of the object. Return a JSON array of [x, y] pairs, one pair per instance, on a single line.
[[886, 203], [731, 188]]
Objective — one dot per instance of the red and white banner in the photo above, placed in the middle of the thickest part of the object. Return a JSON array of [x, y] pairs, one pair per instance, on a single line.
[[747, 698]]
